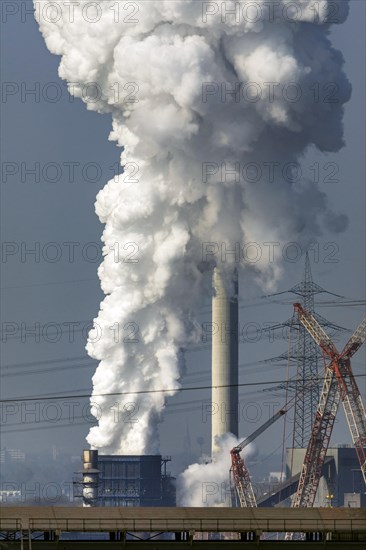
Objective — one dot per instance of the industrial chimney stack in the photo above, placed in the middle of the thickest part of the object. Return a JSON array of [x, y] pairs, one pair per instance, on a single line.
[[90, 474], [225, 353]]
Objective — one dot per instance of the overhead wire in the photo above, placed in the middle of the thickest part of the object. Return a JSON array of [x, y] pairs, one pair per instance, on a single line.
[[350, 303], [156, 391]]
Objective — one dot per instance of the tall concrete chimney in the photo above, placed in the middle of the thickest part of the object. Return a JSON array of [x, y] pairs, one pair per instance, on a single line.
[[225, 353]]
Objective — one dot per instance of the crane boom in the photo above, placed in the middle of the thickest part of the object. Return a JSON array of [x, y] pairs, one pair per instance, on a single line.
[[242, 481], [316, 331], [348, 390], [319, 441], [261, 429], [355, 414], [239, 471], [351, 398], [339, 384], [356, 340]]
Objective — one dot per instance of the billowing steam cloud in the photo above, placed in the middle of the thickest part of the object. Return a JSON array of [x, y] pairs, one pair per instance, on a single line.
[[201, 165], [208, 484]]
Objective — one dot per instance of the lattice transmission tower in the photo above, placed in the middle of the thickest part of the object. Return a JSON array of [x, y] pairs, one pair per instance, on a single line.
[[306, 358]]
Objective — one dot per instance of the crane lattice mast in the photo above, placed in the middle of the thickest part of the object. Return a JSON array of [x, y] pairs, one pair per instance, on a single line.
[[239, 471], [339, 385]]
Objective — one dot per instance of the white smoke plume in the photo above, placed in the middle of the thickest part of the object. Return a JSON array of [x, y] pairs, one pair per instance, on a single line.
[[160, 69], [208, 484]]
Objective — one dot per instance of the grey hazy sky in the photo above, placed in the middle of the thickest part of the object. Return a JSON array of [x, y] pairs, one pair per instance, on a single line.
[[63, 211]]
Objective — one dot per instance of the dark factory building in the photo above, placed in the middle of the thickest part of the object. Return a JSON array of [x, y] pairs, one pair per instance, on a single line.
[[125, 480], [341, 484]]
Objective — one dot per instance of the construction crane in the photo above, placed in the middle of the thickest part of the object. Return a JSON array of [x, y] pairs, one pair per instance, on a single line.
[[239, 472], [339, 385]]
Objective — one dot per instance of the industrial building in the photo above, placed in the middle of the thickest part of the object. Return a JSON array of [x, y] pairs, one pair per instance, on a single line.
[[341, 484], [125, 480]]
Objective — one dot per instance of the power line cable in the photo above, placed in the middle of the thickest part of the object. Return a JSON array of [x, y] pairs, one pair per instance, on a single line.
[[146, 392]]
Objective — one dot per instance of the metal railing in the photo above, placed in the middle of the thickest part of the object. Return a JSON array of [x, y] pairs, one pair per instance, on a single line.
[[355, 525]]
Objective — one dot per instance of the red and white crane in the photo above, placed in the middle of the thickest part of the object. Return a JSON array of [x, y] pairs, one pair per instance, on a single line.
[[239, 475], [239, 471], [339, 385]]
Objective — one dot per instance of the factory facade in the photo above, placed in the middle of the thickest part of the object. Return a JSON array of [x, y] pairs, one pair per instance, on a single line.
[[125, 480]]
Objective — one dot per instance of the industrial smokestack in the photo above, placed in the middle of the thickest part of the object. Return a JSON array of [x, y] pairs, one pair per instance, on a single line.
[[224, 358], [90, 477]]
